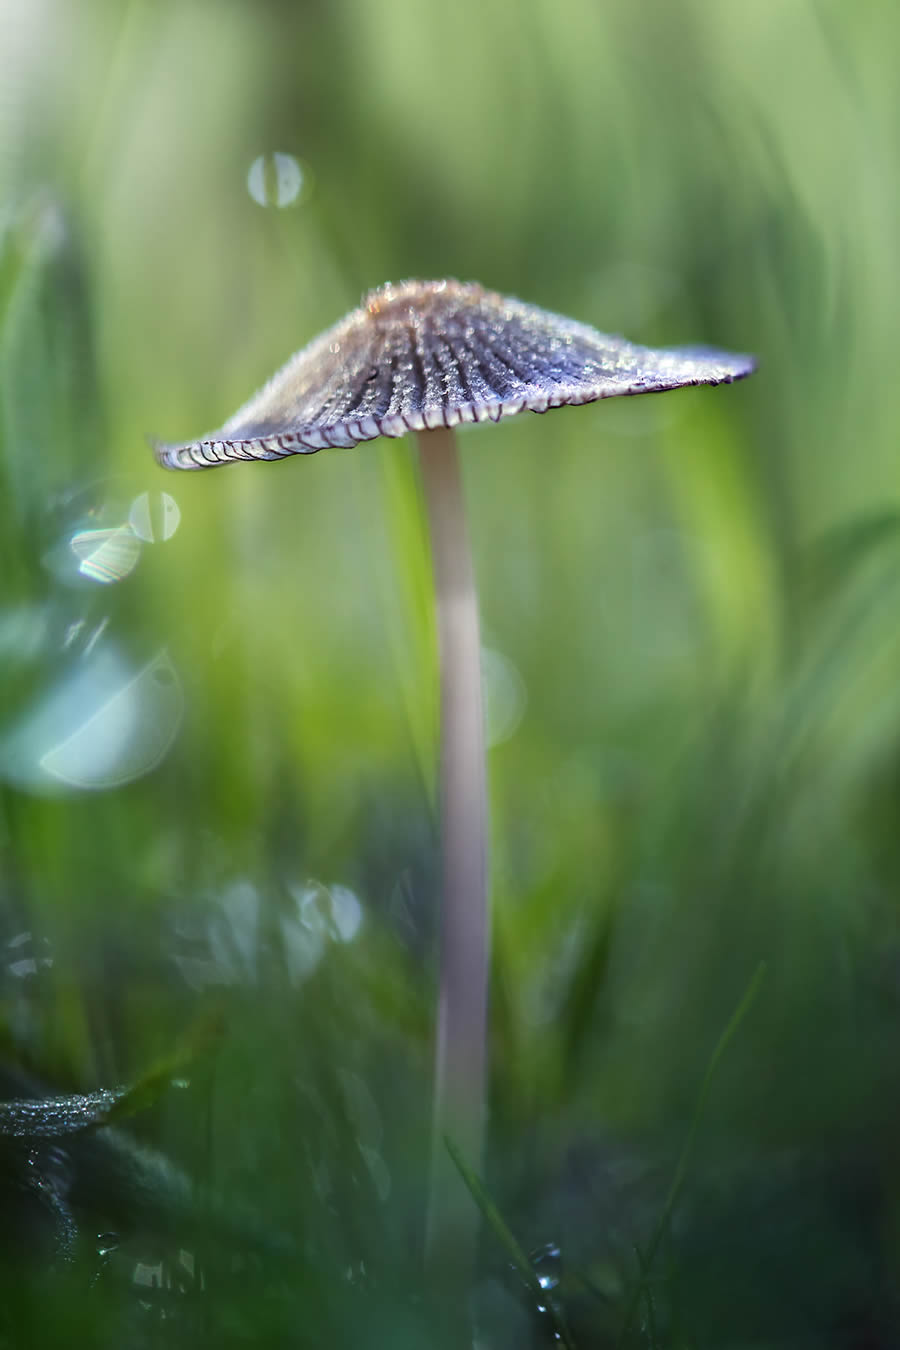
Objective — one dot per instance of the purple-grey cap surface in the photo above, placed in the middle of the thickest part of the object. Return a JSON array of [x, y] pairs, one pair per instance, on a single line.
[[425, 354]]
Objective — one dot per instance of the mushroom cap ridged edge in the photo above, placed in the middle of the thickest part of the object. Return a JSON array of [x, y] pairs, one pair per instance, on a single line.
[[421, 355]]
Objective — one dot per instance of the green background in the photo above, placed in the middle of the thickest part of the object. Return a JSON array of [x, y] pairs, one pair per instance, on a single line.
[[692, 600]]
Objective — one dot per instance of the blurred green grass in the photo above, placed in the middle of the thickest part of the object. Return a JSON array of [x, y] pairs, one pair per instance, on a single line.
[[697, 595]]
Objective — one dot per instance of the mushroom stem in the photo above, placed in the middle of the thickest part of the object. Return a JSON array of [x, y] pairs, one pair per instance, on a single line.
[[461, 1038]]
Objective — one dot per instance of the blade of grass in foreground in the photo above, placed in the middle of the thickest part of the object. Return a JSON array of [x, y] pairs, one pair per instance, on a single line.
[[662, 1223], [515, 1252], [202, 1039]]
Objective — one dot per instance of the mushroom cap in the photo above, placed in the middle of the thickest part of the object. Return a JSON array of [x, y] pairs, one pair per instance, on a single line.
[[424, 354]]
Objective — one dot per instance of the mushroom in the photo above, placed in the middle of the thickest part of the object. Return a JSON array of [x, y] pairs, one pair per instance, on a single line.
[[426, 356]]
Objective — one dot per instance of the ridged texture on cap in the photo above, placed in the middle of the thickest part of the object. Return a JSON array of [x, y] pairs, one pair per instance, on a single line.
[[433, 354]]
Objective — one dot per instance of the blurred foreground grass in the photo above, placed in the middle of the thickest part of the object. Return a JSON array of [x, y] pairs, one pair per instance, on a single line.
[[217, 709]]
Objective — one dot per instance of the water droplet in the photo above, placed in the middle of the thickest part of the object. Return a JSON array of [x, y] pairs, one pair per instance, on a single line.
[[78, 637], [103, 725], [94, 541], [19, 969], [331, 911], [346, 913], [154, 516], [107, 1242], [150, 1276], [106, 555], [275, 180], [546, 1263], [72, 633], [234, 933], [304, 941], [505, 696]]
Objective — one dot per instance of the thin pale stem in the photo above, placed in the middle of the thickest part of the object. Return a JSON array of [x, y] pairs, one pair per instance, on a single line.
[[461, 1042]]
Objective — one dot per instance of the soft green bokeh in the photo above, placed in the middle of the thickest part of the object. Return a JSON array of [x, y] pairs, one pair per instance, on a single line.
[[697, 595]]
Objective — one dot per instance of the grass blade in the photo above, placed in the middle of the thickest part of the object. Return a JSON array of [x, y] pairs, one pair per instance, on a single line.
[[662, 1223], [507, 1239]]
